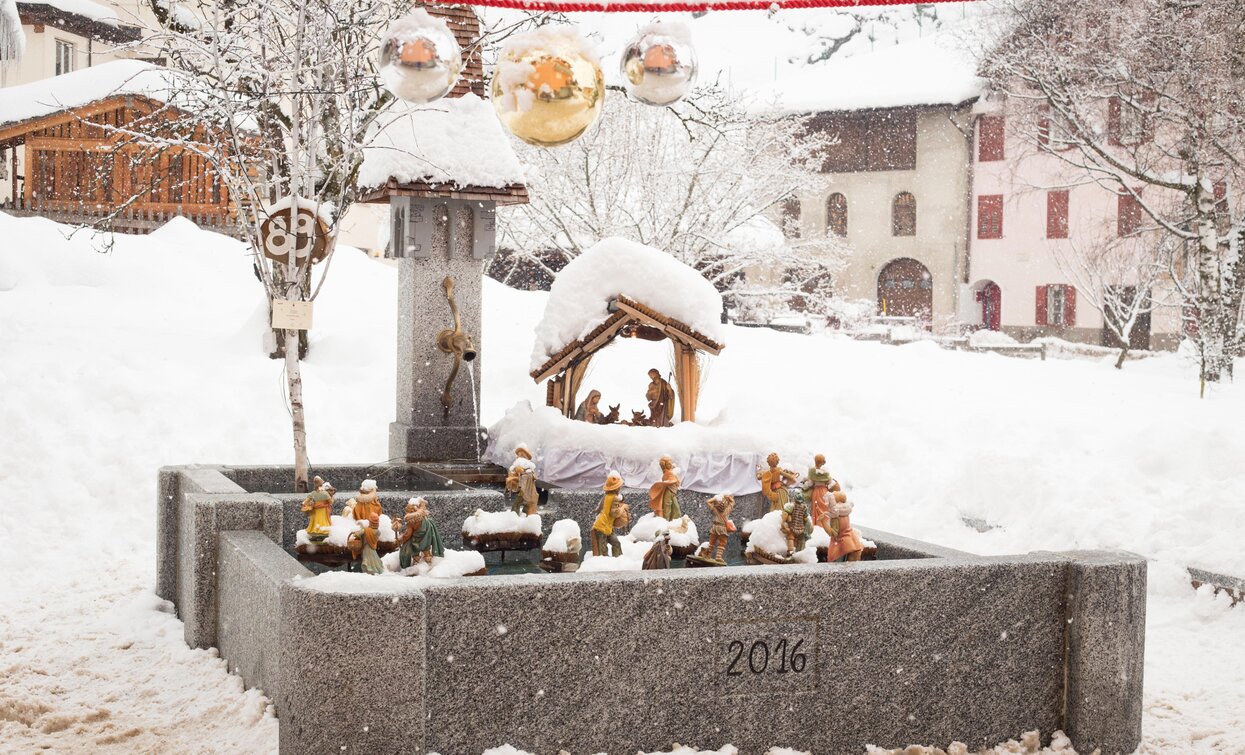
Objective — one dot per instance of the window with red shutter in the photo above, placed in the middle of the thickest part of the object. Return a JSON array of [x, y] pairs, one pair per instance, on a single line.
[[1129, 215], [989, 138], [1057, 214], [990, 216], [1040, 318], [1069, 306]]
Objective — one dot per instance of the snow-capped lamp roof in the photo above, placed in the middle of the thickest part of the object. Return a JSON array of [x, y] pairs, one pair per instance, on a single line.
[[939, 69], [581, 295], [88, 85], [456, 143]]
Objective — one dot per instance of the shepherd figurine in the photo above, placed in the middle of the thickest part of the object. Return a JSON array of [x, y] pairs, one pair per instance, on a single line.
[[663, 496], [521, 481]]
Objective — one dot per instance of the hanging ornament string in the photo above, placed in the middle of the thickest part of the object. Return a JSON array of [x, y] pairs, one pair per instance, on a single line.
[[673, 6]]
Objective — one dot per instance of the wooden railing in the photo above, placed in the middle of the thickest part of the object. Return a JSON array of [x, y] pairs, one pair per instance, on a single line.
[[139, 219]]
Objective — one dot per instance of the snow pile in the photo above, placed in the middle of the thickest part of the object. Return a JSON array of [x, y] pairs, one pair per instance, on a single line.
[[682, 532], [632, 558], [452, 564], [341, 528], [496, 522], [564, 537], [1021, 444], [984, 337], [51, 95], [581, 293], [455, 140], [765, 534]]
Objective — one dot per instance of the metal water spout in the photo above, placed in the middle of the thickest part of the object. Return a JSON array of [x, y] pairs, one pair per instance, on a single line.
[[456, 342]]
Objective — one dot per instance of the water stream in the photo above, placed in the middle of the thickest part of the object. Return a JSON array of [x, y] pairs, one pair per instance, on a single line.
[[475, 405]]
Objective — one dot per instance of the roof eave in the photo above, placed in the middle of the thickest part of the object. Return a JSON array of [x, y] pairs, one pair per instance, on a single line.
[[76, 23]]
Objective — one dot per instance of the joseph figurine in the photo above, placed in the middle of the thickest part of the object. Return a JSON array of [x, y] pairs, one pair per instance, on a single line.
[[660, 398]]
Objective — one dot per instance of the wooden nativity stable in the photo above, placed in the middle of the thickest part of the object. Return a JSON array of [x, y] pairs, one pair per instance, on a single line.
[[628, 318]]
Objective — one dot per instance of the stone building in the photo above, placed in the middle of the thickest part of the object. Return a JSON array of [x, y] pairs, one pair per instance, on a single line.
[[901, 123]]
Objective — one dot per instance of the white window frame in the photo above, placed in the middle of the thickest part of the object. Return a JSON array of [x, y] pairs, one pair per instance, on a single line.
[[66, 52]]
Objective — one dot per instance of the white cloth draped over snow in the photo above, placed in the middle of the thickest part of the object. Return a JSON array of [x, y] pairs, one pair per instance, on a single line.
[[573, 454], [704, 472]]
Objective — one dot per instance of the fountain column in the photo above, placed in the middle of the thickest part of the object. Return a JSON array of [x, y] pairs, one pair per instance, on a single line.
[[436, 239]]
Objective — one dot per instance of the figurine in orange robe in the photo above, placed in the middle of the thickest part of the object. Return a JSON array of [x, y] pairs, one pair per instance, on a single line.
[[819, 485], [774, 482], [366, 503], [663, 495], [844, 541]]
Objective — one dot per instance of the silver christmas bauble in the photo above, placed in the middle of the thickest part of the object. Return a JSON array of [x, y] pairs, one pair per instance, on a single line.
[[659, 65], [419, 58]]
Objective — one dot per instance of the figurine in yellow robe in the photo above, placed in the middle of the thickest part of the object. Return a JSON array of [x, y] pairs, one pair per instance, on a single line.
[[611, 514], [319, 508], [774, 482]]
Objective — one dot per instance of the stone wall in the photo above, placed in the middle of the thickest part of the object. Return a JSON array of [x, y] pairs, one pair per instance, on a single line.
[[931, 646]]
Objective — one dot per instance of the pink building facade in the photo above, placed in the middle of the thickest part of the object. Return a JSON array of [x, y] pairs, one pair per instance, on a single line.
[[1033, 218]]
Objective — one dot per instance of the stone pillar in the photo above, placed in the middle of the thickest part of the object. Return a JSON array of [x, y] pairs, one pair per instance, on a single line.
[[434, 239], [1106, 634]]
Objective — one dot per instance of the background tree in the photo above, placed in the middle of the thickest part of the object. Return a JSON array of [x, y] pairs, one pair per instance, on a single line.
[[693, 180], [1146, 98]]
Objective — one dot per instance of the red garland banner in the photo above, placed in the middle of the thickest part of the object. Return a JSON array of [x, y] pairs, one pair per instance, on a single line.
[[669, 6]]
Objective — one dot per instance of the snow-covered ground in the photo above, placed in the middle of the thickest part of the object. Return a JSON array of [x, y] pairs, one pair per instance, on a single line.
[[112, 364]]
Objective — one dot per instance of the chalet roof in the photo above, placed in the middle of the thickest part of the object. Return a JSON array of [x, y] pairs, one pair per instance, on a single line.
[[69, 91], [627, 310], [82, 17], [617, 275], [454, 145]]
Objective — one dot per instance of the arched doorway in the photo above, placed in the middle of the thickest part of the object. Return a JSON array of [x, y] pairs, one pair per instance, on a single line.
[[906, 289], [990, 297]]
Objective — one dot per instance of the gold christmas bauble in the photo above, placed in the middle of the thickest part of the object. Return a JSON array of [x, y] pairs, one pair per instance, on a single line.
[[419, 58], [659, 65], [548, 87]]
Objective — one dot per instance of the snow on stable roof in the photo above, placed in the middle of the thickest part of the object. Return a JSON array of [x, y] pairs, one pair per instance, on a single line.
[[936, 70], [71, 90], [456, 140], [580, 296]]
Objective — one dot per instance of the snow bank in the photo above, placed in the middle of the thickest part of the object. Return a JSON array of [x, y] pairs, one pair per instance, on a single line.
[[356, 582], [682, 532], [39, 98], [455, 140], [564, 537], [494, 522], [581, 293]]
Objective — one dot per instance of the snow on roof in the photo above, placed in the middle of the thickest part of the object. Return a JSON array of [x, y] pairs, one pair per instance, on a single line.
[[939, 69], [70, 90], [85, 8], [456, 140], [580, 296]]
